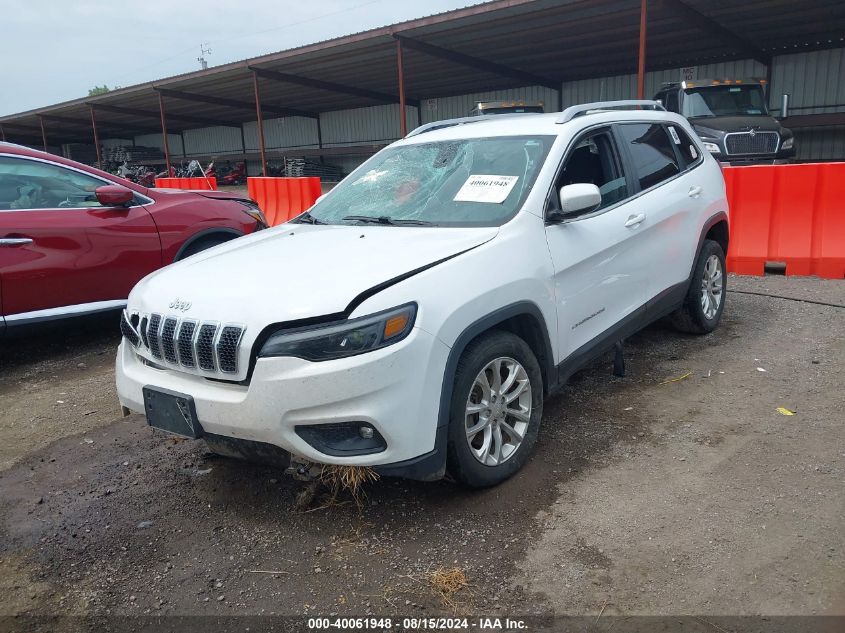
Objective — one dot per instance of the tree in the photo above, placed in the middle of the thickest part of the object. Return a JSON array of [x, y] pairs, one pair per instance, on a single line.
[[98, 90]]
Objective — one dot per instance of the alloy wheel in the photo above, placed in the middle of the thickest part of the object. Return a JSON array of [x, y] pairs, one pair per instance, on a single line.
[[711, 287], [498, 411]]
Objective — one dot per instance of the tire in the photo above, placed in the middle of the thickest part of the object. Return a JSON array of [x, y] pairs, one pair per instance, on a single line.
[[202, 244], [696, 315], [465, 452]]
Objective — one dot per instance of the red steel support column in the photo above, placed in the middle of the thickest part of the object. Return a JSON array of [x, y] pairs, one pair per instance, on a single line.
[[403, 124], [96, 138], [164, 133], [43, 132], [260, 123], [641, 64]]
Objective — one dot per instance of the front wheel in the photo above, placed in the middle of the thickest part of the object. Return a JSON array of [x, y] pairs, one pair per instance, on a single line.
[[705, 301], [497, 404], [203, 244]]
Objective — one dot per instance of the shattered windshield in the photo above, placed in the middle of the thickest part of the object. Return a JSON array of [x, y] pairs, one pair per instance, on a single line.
[[465, 182]]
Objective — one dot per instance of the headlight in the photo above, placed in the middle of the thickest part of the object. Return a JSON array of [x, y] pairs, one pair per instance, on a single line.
[[347, 338], [712, 148], [252, 210], [787, 144]]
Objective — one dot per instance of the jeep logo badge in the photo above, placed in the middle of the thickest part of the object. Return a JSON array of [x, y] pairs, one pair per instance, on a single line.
[[179, 304]]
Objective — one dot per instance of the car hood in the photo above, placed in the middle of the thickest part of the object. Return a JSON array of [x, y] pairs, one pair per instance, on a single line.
[[719, 125], [297, 271], [215, 195]]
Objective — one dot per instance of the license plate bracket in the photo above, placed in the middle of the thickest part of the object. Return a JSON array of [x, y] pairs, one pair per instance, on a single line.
[[172, 412]]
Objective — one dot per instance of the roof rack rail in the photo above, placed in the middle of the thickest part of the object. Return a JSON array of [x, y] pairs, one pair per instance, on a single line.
[[600, 106], [438, 125]]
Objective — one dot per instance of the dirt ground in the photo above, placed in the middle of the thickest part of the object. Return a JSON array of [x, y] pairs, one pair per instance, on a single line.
[[644, 495]]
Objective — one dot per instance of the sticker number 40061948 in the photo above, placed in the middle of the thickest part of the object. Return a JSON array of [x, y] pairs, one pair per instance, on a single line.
[[486, 188]]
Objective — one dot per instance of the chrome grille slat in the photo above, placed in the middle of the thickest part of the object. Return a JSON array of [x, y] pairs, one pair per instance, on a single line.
[[185, 343], [205, 346], [740, 143], [128, 330], [154, 336], [168, 339], [142, 330], [227, 348]]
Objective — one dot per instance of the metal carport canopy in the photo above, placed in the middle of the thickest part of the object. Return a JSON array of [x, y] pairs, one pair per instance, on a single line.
[[499, 44]]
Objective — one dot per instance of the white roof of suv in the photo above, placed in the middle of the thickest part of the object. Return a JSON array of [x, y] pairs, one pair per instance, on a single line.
[[528, 123]]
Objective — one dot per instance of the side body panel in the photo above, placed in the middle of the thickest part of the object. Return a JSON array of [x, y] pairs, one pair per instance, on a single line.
[[76, 256], [181, 216]]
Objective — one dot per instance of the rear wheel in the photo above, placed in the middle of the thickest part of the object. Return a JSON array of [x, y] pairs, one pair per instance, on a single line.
[[497, 404], [705, 301]]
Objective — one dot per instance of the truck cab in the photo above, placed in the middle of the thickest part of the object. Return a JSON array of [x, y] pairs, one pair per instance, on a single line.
[[507, 107], [731, 117]]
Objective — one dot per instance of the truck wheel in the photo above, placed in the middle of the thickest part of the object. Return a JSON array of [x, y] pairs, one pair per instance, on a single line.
[[497, 404], [702, 308]]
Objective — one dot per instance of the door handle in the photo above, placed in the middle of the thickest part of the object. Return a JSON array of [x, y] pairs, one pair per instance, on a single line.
[[695, 191], [634, 220], [14, 241]]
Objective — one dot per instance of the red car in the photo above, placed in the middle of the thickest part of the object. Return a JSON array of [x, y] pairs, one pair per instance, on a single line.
[[74, 240]]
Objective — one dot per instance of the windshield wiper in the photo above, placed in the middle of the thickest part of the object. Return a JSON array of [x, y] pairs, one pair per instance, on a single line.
[[307, 218], [386, 220]]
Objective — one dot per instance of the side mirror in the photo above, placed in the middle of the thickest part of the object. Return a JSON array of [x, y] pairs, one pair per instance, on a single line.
[[113, 195], [577, 199], [784, 106]]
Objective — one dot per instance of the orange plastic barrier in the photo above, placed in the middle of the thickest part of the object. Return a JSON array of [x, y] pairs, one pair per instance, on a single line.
[[197, 184], [283, 198], [791, 214]]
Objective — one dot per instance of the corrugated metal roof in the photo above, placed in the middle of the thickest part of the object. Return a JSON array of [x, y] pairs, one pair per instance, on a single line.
[[553, 40]]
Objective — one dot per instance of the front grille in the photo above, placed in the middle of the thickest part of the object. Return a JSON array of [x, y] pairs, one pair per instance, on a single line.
[[205, 347], [739, 143]]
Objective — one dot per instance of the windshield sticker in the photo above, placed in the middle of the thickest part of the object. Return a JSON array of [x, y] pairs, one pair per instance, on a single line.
[[486, 188], [692, 152], [674, 135]]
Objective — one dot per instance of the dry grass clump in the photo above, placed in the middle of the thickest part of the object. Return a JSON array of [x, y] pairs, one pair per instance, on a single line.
[[447, 582], [349, 479]]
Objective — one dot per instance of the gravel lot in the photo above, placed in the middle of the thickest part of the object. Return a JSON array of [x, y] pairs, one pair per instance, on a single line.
[[643, 496]]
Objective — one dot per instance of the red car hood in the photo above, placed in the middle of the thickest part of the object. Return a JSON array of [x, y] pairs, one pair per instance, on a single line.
[[214, 195]]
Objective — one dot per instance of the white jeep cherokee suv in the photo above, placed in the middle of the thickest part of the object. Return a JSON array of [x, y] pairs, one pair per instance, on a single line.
[[417, 316]]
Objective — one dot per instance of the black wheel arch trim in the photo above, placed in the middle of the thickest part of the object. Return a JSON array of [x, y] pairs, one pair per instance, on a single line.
[[203, 234], [432, 465], [712, 221]]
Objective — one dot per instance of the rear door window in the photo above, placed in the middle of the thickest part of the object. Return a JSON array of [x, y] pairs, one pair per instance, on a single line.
[[689, 152], [652, 153]]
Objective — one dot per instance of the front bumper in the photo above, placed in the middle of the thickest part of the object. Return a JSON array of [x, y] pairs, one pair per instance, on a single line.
[[395, 389], [782, 157]]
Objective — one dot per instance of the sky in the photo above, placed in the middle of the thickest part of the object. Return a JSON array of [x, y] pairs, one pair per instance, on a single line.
[[55, 50]]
